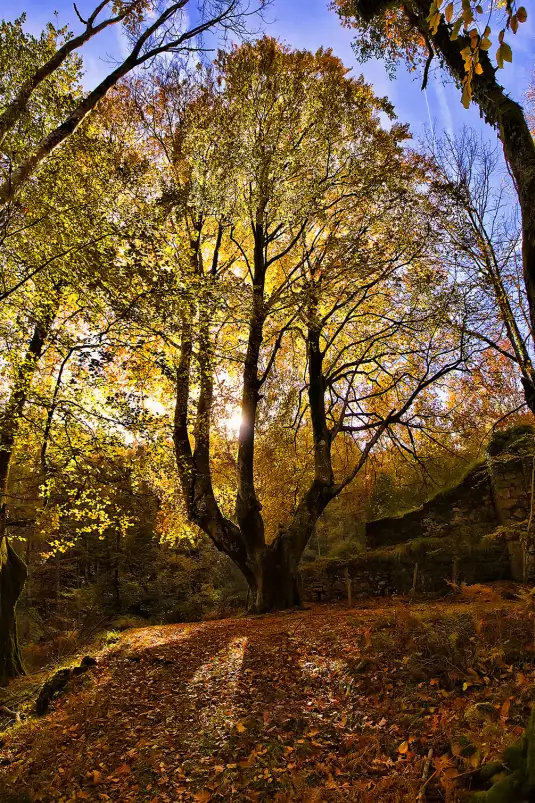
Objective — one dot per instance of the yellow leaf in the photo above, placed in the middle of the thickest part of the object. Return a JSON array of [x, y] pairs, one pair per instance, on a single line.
[[240, 727], [448, 12], [507, 53], [403, 748], [433, 20]]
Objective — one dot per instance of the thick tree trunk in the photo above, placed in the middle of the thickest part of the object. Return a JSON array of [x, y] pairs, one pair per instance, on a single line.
[[276, 584], [12, 578]]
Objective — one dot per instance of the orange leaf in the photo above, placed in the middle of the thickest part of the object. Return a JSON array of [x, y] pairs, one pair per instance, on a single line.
[[504, 710]]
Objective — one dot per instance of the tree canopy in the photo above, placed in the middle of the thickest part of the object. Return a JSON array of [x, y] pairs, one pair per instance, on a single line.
[[236, 302]]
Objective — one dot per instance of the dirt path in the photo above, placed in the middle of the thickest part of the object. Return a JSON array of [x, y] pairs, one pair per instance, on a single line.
[[318, 705]]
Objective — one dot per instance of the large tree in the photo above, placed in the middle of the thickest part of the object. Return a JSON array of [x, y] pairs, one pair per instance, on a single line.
[[459, 38], [304, 289]]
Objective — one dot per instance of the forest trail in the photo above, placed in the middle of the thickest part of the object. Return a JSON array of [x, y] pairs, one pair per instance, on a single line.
[[309, 706]]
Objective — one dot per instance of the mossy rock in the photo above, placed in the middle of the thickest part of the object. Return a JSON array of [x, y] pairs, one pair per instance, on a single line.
[[514, 439]]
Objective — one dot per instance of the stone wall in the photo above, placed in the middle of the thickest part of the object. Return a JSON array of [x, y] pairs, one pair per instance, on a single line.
[[444, 540], [392, 570], [495, 493], [467, 507]]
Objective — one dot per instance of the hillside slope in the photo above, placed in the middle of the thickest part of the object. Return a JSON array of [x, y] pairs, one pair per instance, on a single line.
[[318, 705]]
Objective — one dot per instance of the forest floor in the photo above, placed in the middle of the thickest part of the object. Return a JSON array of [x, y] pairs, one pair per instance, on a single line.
[[389, 701]]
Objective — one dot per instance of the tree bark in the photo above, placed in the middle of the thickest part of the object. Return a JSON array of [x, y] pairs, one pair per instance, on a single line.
[[12, 568], [277, 584], [12, 578]]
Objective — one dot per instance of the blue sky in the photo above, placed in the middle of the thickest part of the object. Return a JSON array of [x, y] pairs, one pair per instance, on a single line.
[[310, 24]]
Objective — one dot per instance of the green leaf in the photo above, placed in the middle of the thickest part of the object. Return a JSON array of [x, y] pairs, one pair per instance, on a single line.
[[507, 53], [456, 28]]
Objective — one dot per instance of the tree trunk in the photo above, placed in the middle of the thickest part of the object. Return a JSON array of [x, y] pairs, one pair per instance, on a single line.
[[12, 568], [12, 578], [276, 585]]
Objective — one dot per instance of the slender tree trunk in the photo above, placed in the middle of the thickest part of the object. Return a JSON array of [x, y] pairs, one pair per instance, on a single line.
[[13, 111], [141, 52], [116, 576]]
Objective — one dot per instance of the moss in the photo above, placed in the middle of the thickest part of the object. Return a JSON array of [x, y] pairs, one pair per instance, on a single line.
[[529, 739], [506, 790], [514, 439], [518, 761], [513, 756], [487, 772]]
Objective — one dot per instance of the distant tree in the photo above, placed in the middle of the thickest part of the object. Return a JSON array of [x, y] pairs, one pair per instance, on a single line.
[[458, 36], [483, 237]]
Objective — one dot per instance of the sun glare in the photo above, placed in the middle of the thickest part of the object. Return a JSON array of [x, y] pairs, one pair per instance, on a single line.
[[232, 423]]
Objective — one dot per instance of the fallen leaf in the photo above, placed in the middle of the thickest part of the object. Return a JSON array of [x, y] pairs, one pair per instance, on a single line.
[[504, 710], [96, 777]]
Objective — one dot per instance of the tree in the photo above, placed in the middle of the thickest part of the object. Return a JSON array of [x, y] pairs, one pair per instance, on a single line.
[[303, 286], [154, 29], [463, 51], [54, 244], [482, 235]]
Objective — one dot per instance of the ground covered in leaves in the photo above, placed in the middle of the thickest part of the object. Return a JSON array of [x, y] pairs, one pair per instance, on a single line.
[[390, 701]]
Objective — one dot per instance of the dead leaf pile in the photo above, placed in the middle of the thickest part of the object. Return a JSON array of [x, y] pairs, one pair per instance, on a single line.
[[318, 705]]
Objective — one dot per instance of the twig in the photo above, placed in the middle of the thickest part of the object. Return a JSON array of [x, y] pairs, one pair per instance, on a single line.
[[5, 710], [425, 776]]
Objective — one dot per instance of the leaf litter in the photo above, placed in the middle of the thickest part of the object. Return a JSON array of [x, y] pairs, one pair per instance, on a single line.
[[390, 701]]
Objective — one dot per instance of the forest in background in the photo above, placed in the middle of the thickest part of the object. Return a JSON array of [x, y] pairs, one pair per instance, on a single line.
[[237, 301]]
